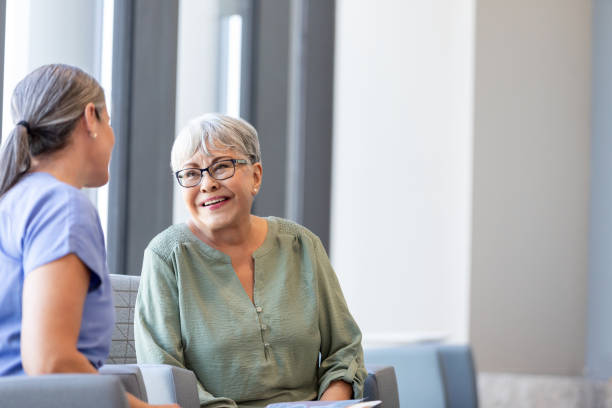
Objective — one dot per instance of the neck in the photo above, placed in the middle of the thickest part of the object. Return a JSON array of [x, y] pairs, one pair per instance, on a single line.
[[243, 234], [61, 165]]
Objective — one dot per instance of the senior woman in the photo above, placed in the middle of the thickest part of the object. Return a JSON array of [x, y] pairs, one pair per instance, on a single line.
[[251, 305]]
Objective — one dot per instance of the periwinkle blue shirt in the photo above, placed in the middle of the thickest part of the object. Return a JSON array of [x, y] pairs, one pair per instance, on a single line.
[[43, 220]]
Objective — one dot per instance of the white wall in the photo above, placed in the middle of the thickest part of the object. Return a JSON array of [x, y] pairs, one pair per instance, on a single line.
[[402, 164], [531, 185]]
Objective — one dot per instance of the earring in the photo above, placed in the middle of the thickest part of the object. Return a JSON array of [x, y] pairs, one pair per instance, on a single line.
[[94, 135], [254, 191]]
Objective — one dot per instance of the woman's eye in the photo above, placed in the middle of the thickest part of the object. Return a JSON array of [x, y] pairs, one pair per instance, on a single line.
[[191, 173], [222, 166]]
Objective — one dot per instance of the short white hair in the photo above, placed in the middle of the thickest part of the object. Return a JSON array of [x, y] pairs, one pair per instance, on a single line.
[[217, 131]]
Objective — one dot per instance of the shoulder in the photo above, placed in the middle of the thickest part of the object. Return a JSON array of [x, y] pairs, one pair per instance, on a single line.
[[291, 229], [44, 189], [54, 219], [293, 239], [42, 198], [166, 242]]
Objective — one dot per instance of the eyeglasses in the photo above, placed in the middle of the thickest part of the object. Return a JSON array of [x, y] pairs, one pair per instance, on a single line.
[[221, 170]]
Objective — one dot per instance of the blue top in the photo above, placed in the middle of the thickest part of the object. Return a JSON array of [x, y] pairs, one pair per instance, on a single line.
[[42, 220]]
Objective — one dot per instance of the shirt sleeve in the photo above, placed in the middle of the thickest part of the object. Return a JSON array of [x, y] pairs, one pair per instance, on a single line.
[[341, 351], [64, 222], [157, 328]]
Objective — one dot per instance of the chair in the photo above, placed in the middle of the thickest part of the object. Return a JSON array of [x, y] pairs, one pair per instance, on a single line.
[[168, 384], [62, 391], [164, 384], [458, 375], [381, 385], [431, 375], [419, 380], [130, 376]]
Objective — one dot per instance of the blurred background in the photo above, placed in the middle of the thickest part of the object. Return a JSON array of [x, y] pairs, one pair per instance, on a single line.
[[453, 155]]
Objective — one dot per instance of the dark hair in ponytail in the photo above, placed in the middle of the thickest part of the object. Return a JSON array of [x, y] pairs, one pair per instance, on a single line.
[[47, 105]]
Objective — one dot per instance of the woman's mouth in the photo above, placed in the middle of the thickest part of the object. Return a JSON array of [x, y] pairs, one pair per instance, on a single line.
[[215, 202]]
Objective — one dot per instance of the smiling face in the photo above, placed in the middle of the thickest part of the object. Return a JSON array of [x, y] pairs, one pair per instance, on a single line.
[[218, 204]]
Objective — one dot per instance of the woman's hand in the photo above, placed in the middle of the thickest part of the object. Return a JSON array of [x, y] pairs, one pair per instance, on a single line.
[[337, 391]]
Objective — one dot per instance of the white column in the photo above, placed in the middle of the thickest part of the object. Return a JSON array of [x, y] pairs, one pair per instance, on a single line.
[[531, 186], [401, 191]]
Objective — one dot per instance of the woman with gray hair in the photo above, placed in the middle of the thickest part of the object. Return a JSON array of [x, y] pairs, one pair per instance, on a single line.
[[56, 312], [251, 305]]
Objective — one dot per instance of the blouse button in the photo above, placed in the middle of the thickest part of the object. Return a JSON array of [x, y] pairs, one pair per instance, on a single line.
[[259, 309]]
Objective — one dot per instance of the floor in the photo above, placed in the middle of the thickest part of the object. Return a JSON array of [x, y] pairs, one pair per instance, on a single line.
[[530, 391]]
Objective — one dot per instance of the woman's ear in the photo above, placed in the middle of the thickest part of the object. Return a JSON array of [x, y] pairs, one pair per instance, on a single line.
[[91, 118], [257, 177]]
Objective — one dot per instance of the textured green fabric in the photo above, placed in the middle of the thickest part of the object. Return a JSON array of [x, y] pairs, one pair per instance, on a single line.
[[193, 312]]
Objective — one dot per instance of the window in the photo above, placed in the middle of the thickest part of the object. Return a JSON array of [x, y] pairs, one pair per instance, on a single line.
[[75, 32]]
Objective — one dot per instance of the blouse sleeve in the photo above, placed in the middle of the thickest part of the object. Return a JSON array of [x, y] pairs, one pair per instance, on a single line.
[[341, 352], [157, 327]]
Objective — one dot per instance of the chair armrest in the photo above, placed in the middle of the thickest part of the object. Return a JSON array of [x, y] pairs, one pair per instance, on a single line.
[[381, 384], [167, 384], [130, 377], [62, 390]]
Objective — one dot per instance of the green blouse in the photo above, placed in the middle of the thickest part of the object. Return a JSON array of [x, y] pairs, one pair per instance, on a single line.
[[289, 344]]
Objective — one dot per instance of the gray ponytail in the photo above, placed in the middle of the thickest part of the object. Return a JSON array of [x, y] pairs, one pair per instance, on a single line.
[[51, 99]]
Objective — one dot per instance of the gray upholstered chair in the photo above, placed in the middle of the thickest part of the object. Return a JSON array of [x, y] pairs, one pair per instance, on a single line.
[[62, 391], [108, 389], [167, 384], [164, 384], [381, 385], [155, 383]]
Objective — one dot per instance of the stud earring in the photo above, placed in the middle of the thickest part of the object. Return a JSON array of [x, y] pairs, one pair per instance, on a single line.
[[94, 135]]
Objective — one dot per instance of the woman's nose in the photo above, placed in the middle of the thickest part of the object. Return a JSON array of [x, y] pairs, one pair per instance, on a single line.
[[208, 183]]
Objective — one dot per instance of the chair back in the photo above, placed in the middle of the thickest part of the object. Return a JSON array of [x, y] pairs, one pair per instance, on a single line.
[[419, 379], [458, 375], [125, 289]]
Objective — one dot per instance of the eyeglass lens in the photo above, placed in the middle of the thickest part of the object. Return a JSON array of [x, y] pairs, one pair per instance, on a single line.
[[221, 170]]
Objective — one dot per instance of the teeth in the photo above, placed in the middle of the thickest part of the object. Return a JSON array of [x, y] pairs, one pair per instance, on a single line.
[[213, 202]]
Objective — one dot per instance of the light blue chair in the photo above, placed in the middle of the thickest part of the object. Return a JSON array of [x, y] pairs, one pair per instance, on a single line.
[[458, 375], [419, 379], [430, 375]]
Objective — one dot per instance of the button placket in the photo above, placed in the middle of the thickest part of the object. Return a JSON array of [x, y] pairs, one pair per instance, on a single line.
[[262, 328]]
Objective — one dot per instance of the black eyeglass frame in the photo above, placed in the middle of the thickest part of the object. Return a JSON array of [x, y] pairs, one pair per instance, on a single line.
[[234, 163]]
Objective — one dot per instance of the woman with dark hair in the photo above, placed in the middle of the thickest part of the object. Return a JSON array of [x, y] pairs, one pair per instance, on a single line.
[[56, 311]]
